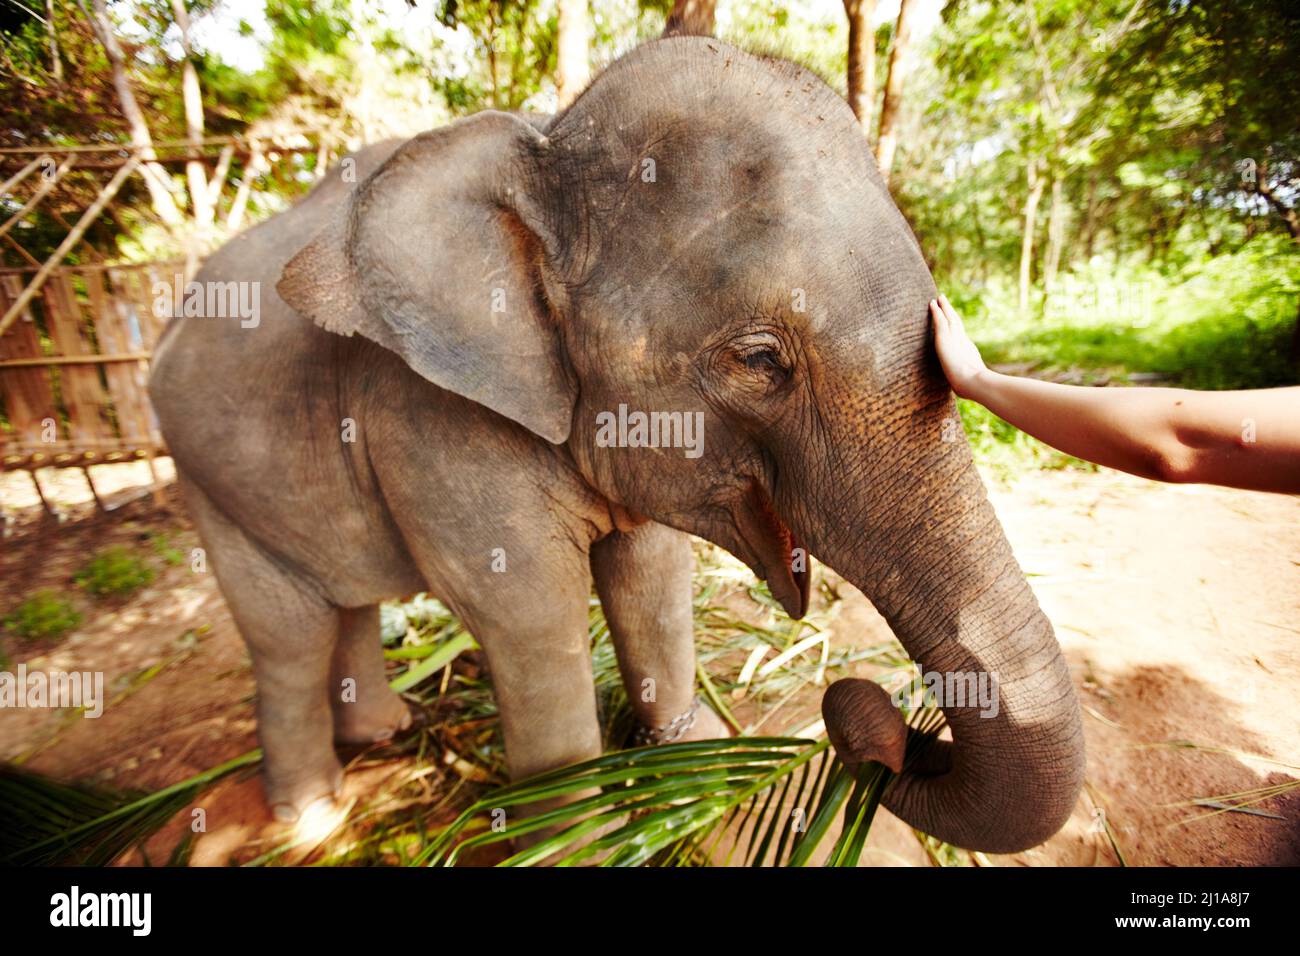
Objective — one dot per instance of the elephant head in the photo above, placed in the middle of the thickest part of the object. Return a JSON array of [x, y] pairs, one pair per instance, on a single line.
[[703, 234]]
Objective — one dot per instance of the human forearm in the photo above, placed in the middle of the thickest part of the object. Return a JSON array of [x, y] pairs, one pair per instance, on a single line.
[[1245, 439], [1132, 429]]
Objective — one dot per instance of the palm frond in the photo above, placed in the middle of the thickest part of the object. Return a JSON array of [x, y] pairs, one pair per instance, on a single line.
[[772, 800], [50, 823]]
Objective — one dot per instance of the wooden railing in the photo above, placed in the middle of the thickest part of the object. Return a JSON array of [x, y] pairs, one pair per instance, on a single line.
[[74, 366]]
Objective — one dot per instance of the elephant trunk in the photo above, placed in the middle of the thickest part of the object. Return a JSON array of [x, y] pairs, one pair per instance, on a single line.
[[937, 565]]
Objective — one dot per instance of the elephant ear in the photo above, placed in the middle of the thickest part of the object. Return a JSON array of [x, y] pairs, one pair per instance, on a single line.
[[436, 257]]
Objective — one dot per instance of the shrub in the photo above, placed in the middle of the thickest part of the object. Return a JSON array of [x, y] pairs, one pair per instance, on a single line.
[[163, 547], [44, 614], [114, 572]]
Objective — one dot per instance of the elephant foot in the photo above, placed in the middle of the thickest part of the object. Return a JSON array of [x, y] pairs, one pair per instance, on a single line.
[[357, 724], [305, 797]]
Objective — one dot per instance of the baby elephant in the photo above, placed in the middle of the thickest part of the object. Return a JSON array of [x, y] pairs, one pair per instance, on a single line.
[[516, 354]]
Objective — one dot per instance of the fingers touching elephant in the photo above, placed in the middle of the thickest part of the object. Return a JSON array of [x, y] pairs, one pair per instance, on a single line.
[[685, 304]]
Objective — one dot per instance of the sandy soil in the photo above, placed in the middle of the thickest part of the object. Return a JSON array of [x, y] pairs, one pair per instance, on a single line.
[[1178, 609]]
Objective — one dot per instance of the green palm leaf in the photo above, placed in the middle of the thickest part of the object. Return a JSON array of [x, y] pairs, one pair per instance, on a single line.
[[48, 823], [673, 805]]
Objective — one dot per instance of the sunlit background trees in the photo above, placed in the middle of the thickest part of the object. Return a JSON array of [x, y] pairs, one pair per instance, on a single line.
[[1106, 186]]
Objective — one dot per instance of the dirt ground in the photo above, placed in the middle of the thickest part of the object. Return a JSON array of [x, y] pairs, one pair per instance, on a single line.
[[1178, 609]]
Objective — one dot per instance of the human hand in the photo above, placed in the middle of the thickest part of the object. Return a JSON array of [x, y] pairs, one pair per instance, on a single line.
[[958, 355]]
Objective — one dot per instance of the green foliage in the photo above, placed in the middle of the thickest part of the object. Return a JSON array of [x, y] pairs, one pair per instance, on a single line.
[[1160, 134], [114, 572], [43, 615], [1138, 116], [1218, 323], [1163, 137], [166, 550], [792, 31], [673, 805], [1227, 72], [54, 823], [512, 40]]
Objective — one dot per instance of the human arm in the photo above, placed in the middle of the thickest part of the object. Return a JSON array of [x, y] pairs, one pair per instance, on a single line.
[[1243, 439]]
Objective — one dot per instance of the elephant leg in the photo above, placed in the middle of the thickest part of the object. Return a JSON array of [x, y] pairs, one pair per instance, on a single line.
[[290, 632], [529, 614], [530, 617], [366, 709], [643, 577], [539, 659], [513, 565]]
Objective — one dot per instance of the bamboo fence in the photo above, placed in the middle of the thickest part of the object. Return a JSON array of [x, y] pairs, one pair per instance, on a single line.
[[74, 367], [76, 340]]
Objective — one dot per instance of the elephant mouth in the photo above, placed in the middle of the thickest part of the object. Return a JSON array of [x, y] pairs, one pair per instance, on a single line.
[[778, 555]]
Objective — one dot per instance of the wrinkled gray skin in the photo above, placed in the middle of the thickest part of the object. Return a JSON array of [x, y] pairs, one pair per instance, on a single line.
[[476, 430]]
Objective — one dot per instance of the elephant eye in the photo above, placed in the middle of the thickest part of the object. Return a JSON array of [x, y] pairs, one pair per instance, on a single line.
[[767, 361], [763, 360]]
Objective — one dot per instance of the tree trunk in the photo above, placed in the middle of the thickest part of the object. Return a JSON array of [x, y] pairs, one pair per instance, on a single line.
[[218, 180], [196, 173], [1290, 218], [862, 60], [1088, 234], [1035, 181], [691, 18], [572, 42], [1295, 341], [254, 165], [192, 98], [155, 177], [899, 52], [1055, 234], [492, 56], [56, 60]]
